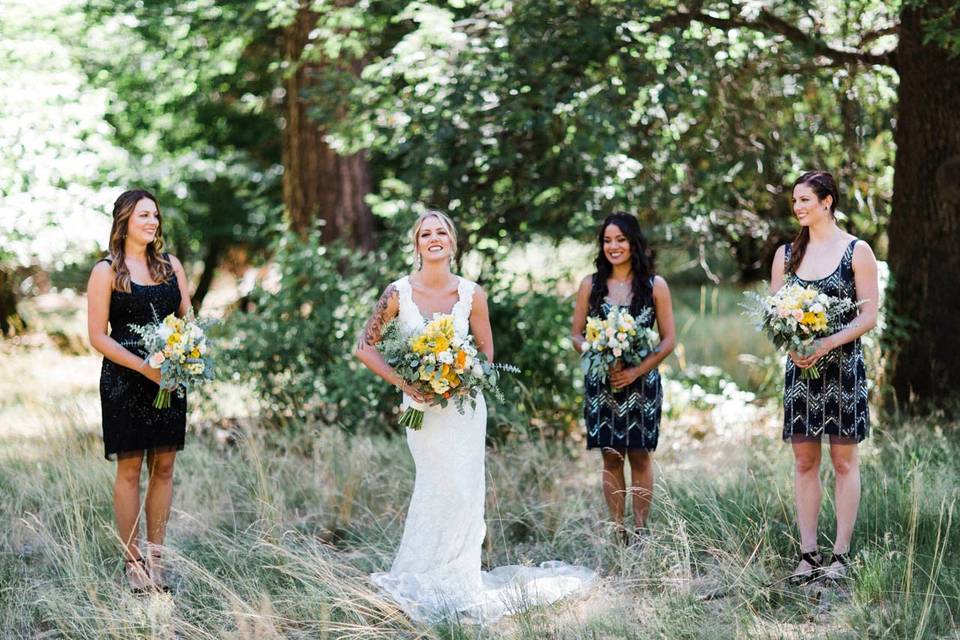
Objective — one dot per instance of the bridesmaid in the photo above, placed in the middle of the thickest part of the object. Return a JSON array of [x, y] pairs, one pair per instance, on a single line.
[[835, 404], [135, 282], [623, 415]]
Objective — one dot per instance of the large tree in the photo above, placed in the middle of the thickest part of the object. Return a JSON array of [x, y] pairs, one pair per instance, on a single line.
[[924, 359], [319, 183]]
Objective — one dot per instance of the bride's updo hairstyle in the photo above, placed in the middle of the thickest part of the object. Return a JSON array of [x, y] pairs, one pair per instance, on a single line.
[[445, 222]]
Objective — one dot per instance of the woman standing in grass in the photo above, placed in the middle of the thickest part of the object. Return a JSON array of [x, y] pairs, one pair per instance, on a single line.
[[134, 284], [836, 263], [623, 414]]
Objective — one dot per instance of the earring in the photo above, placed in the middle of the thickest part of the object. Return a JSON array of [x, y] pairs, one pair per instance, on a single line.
[[418, 261]]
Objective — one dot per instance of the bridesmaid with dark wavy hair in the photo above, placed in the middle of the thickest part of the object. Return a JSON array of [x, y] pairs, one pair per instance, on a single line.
[[834, 405], [622, 415], [134, 284]]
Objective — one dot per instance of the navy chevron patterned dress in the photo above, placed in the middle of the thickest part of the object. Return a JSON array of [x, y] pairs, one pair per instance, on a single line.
[[628, 418], [835, 403]]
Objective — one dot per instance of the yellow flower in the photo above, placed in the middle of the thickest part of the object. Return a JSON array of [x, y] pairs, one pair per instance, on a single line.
[[174, 338], [441, 344], [420, 345], [195, 353]]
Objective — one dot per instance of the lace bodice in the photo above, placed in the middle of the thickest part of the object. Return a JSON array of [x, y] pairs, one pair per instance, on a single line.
[[411, 319]]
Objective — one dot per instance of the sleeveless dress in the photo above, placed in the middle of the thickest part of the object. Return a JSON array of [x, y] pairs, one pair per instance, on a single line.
[[630, 417], [835, 403], [130, 423], [436, 572]]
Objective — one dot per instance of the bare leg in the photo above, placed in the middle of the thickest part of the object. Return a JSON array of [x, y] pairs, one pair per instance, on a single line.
[[614, 485], [126, 507], [808, 491], [159, 497], [641, 480], [846, 467], [159, 494], [126, 504]]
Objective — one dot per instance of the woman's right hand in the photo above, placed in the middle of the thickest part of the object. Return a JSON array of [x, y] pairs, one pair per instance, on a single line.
[[415, 393], [150, 373]]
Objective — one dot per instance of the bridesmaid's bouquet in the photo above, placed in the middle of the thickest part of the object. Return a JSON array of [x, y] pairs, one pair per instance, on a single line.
[[618, 337], [796, 316], [178, 348], [440, 364]]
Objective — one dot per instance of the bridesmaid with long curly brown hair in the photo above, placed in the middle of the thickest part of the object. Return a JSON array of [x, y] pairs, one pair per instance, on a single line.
[[134, 284]]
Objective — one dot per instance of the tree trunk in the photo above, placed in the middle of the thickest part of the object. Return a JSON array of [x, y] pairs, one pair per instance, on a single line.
[[10, 320], [319, 184], [924, 230], [210, 262]]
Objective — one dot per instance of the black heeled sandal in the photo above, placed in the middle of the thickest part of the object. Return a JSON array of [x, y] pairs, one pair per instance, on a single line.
[[815, 561], [139, 591], [840, 573]]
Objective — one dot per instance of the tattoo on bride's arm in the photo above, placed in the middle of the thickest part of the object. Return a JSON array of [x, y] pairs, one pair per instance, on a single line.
[[374, 327]]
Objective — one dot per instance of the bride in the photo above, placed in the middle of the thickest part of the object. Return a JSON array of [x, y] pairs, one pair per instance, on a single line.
[[436, 572]]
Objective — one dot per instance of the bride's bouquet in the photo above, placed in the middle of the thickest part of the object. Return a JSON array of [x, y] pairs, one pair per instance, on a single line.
[[618, 337], [796, 316], [440, 364], [178, 348]]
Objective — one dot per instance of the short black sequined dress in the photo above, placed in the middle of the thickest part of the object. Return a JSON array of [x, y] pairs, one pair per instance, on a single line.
[[130, 423]]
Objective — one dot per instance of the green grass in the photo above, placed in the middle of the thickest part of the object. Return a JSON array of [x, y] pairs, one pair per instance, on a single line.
[[274, 537]]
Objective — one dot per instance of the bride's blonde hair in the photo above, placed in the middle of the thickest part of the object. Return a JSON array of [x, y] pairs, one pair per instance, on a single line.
[[447, 225]]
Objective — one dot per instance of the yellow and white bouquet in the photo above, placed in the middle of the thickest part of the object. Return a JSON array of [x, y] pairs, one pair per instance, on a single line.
[[796, 316], [178, 347], [618, 337], [440, 364]]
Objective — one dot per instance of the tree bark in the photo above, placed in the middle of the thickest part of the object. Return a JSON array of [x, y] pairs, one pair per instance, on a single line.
[[319, 185], [924, 230], [10, 320]]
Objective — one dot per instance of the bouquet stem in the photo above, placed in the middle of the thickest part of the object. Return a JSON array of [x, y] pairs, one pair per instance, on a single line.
[[810, 373], [162, 401], [412, 419]]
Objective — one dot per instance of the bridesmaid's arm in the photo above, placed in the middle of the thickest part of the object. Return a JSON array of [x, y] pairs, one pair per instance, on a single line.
[[663, 305], [480, 323], [776, 271], [182, 285], [99, 288], [580, 314], [868, 294]]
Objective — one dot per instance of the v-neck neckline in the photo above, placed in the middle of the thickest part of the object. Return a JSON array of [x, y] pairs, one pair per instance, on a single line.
[[448, 313]]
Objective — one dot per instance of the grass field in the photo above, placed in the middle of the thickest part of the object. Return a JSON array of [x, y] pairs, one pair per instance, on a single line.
[[272, 536]]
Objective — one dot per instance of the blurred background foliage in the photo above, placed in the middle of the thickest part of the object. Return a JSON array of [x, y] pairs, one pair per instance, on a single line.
[[292, 143]]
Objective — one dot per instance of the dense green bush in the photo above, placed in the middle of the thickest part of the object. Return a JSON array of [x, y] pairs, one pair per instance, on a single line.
[[293, 341]]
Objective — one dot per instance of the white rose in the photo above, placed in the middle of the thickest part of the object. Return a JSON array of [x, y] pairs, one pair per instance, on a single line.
[[156, 360], [202, 347], [477, 369], [617, 353], [816, 308], [621, 336], [610, 332], [823, 298], [457, 343], [164, 332], [585, 347], [445, 357]]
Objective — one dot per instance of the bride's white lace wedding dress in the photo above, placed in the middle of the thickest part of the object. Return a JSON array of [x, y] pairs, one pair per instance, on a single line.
[[436, 572]]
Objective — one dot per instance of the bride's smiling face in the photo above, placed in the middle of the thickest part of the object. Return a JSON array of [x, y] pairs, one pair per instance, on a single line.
[[433, 241]]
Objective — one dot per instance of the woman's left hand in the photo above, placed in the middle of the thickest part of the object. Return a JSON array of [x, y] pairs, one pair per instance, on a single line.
[[820, 348], [620, 378]]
